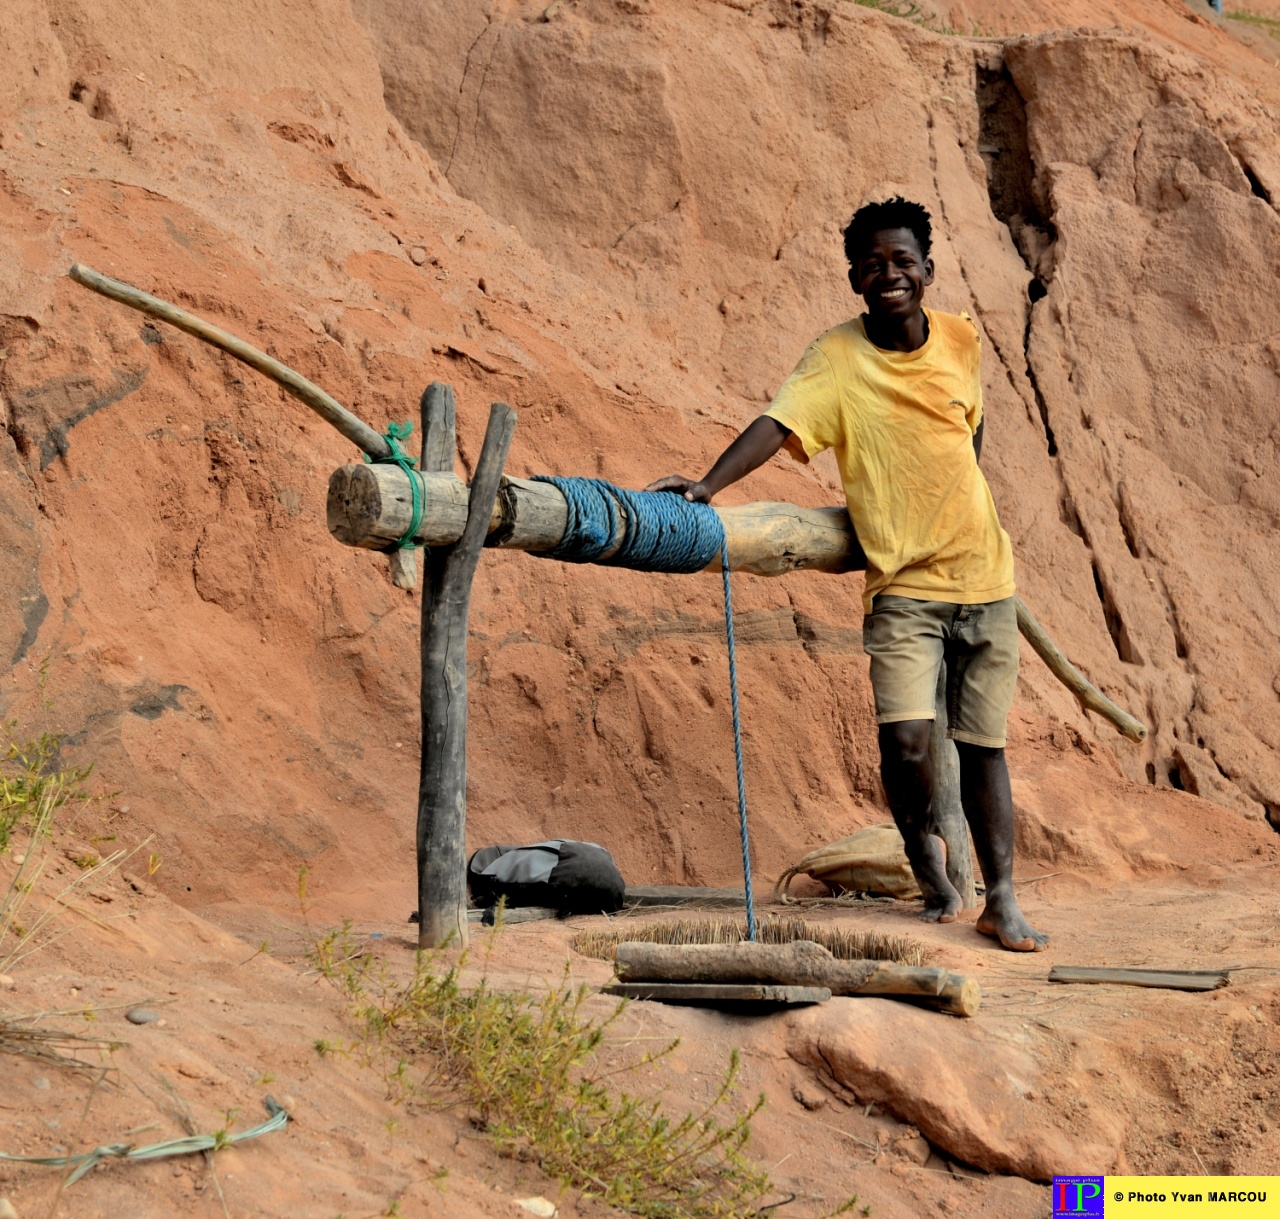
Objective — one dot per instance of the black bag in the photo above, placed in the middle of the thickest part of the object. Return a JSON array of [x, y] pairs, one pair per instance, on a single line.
[[572, 877]]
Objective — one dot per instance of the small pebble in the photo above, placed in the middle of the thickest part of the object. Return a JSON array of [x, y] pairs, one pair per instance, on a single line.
[[418, 255], [288, 1102], [141, 1015], [6, 1209], [41, 1084], [6, 982]]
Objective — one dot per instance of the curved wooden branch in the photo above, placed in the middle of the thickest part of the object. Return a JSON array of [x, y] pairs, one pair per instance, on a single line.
[[1087, 694], [329, 409]]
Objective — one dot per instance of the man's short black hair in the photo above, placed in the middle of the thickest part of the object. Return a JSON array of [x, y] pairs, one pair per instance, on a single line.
[[895, 213]]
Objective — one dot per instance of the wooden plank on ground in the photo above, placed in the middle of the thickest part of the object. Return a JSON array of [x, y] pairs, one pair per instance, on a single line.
[[712, 993], [1163, 979]]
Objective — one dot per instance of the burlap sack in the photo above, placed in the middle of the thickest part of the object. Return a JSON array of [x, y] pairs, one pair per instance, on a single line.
[[870, 861]]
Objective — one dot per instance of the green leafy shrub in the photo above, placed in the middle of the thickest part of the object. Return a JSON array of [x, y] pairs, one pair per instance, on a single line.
[[33, 786]]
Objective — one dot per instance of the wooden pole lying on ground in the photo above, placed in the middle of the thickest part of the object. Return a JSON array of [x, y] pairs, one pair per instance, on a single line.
[[802, 963]]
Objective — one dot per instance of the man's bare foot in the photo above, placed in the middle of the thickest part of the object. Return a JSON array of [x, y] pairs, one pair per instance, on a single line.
[[941, 901], [1002, 920]]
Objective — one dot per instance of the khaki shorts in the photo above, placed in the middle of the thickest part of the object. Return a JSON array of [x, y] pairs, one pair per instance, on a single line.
[[907, 641]]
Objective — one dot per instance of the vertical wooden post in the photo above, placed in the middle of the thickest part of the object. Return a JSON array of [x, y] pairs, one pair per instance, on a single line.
[[446, 602], [946, 811]]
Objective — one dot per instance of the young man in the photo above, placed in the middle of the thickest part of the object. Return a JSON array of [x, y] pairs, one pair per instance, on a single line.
[[896, 393]]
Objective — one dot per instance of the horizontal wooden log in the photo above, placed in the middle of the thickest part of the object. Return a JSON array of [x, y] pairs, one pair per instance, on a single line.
[[371, 506], [802, 963]]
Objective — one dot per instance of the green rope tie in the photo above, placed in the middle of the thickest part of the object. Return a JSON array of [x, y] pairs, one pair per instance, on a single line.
[[395, 433]]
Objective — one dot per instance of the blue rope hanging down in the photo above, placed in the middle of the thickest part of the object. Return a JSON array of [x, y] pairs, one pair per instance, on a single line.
[[659, 532], [737, 743]]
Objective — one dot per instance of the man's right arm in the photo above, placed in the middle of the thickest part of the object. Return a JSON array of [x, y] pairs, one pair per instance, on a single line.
[[758, 442]]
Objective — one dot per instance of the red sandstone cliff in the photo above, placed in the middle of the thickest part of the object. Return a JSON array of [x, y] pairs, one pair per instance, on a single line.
[[676, 176]]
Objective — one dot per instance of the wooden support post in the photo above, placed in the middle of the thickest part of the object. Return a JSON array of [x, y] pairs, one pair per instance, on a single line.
[[946, 812], [446, 603]]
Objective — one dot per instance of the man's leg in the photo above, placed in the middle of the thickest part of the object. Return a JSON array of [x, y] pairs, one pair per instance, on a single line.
[[903, 639], [908, 783], [988, 806]]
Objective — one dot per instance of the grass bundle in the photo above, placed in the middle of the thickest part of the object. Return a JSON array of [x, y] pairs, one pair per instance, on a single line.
[[844, 943]]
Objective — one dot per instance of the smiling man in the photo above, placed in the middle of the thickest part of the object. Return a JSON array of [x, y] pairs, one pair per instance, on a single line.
[[896, 392]]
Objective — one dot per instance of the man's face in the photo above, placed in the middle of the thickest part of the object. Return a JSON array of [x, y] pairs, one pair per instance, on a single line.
[[892, 274]]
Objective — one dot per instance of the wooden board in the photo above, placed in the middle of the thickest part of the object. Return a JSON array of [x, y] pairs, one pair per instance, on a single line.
[[715, 994], [1163, 979]]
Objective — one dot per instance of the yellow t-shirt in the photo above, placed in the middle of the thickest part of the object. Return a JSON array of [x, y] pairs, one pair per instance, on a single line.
[[902, 426]]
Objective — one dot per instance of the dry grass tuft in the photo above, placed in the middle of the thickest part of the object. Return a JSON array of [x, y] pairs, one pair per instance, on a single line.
[[51, 1047], [844, 943], [36, 793]]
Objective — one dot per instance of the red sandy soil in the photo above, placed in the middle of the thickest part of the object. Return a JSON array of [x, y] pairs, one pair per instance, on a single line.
[[623, 220]]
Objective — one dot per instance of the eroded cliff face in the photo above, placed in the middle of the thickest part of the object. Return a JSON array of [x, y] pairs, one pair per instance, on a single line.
[[1166, 227], [677, 174], [1104, 209], [178, 608]]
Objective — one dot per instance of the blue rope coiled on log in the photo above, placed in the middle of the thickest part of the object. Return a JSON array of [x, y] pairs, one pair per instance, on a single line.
[[653, 531], [656, 531]]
